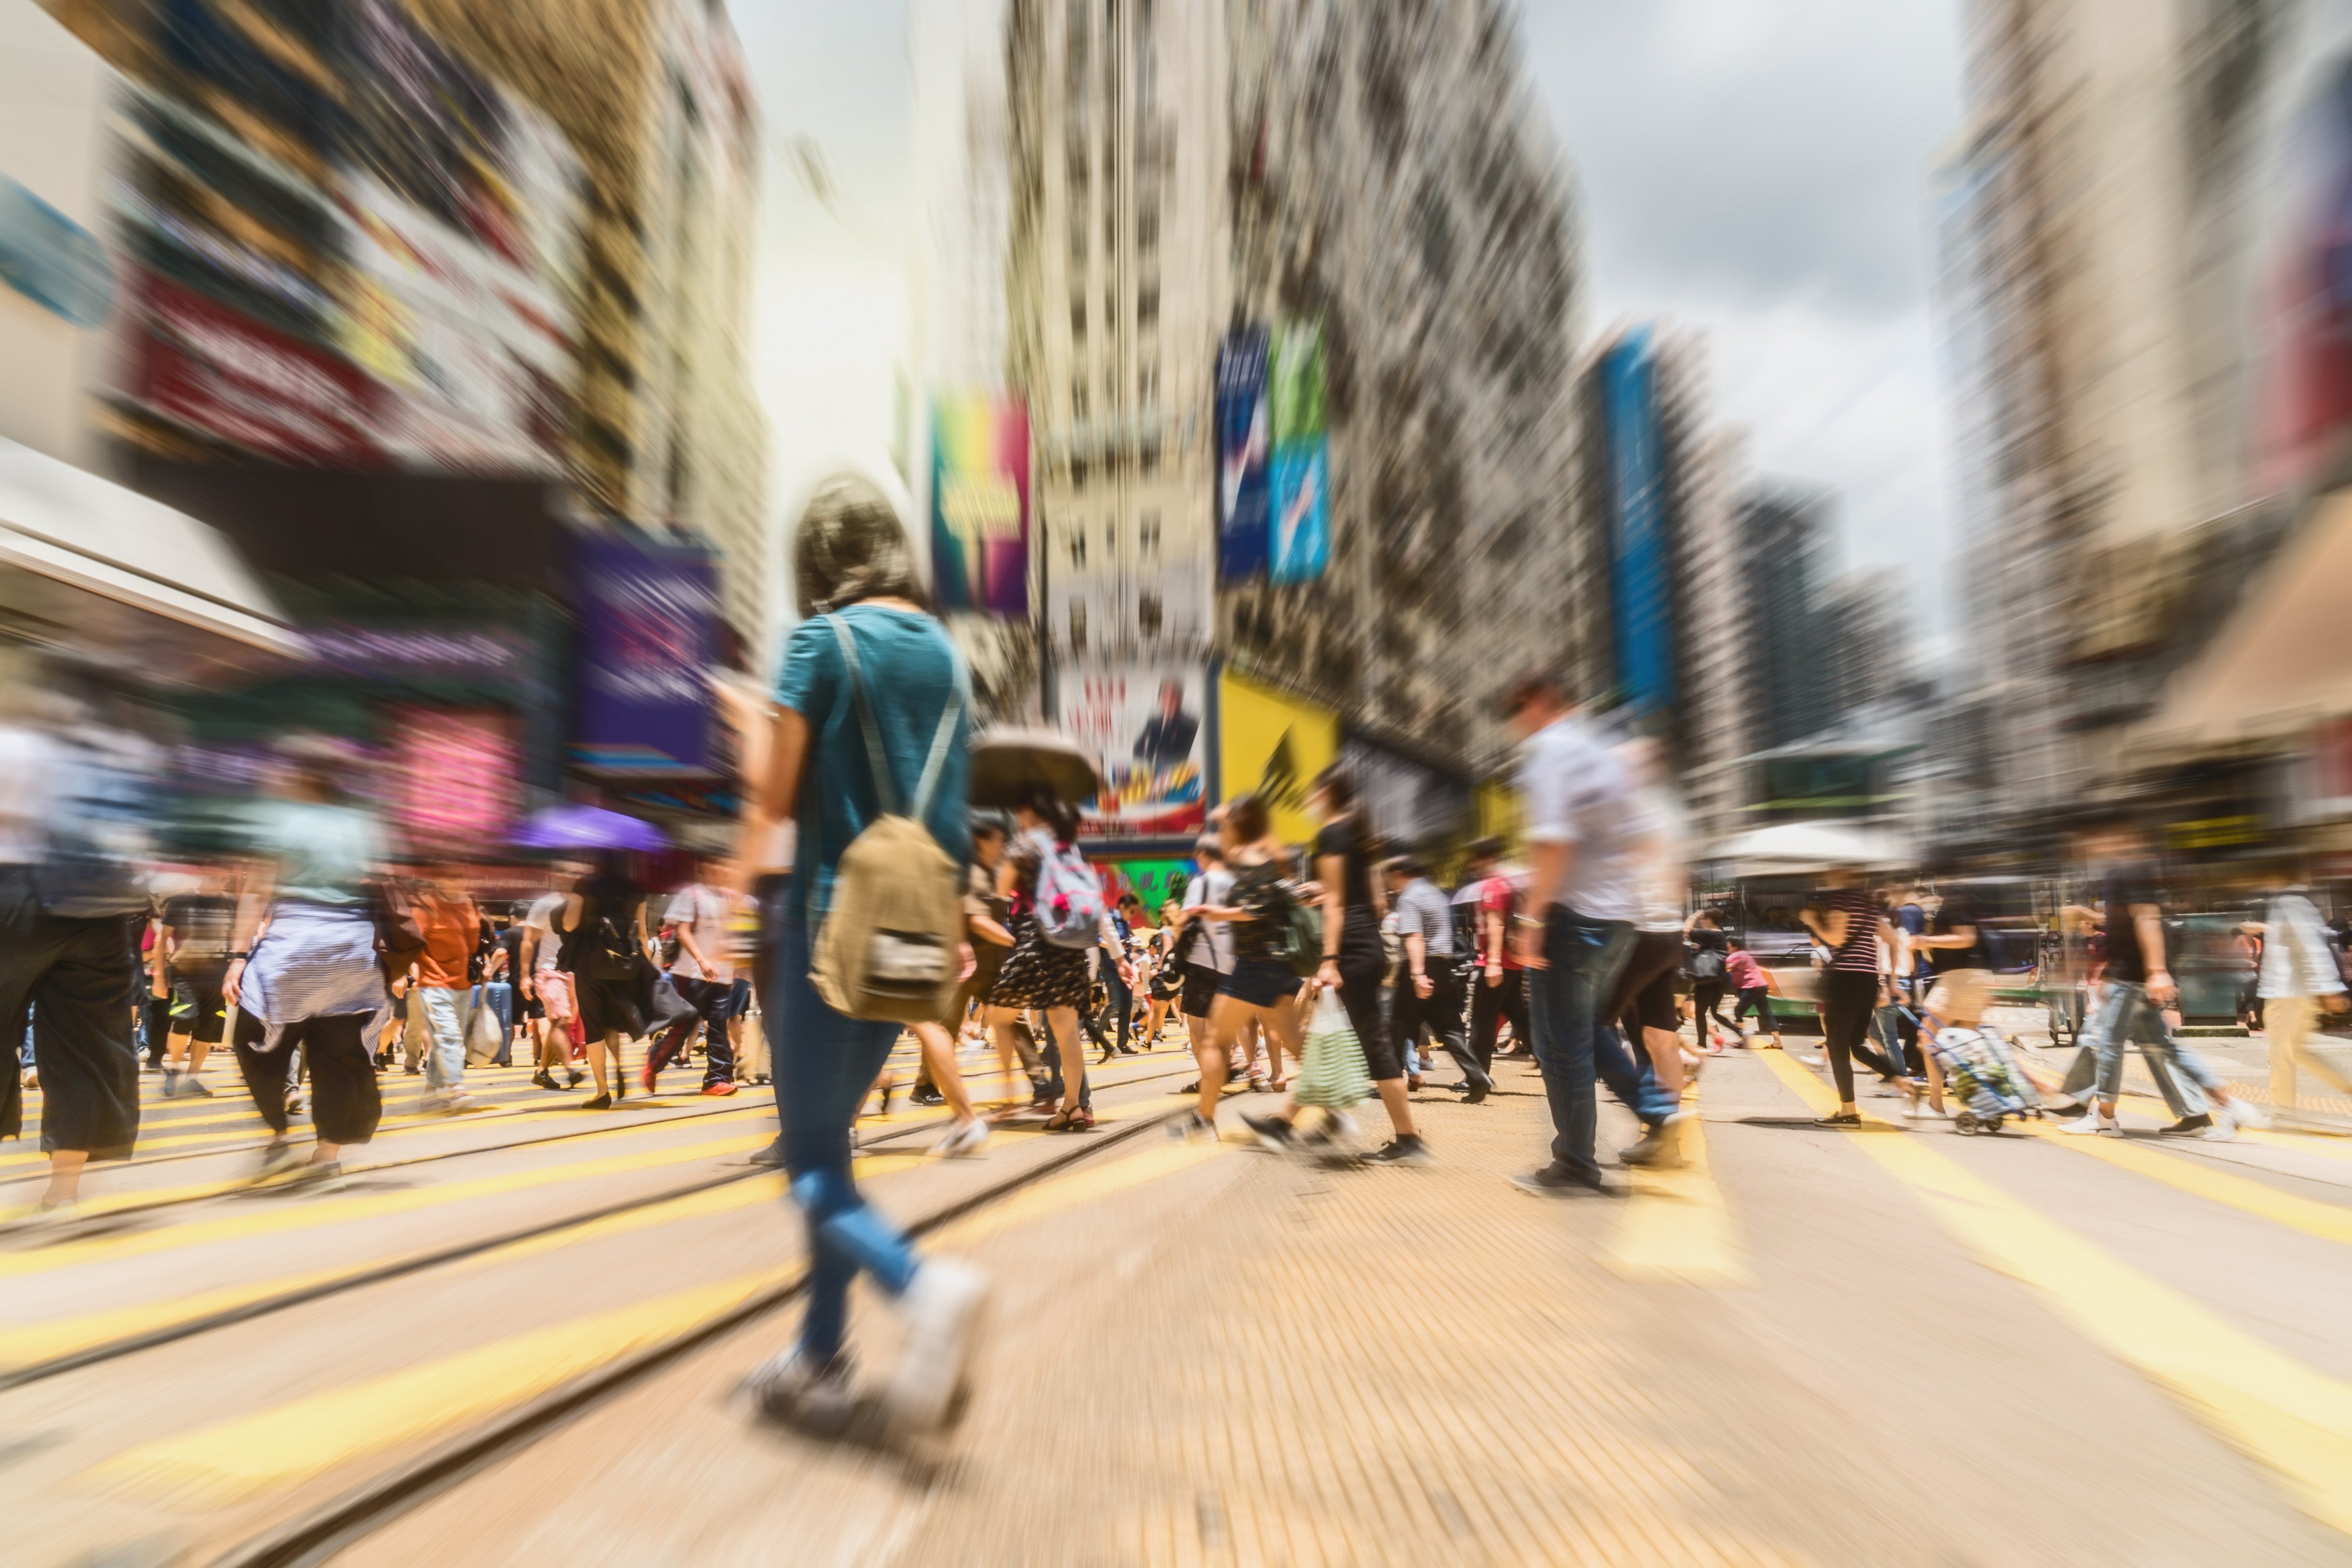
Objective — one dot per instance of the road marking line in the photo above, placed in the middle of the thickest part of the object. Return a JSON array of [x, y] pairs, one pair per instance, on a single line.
[[1677, 1227], [271, 1220], [288, 1443], [2284, 1413], [2330, 1222]]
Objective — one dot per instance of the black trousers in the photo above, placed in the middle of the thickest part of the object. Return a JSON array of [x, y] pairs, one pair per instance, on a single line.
[[1707, 1005], [1440, 1012], [346, 1103], [1849, 998], [1490, 1006], [80, 977], [713, 1002], [1361, 965]]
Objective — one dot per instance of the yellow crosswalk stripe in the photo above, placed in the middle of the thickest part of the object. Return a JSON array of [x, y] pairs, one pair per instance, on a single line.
[[271, 1220], [2280, 1412], [286, 1443], [2330, 1222], [1675, 1227]]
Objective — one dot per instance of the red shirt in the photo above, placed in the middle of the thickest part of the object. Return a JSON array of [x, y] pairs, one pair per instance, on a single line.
[[453, 928], [1497, 896]]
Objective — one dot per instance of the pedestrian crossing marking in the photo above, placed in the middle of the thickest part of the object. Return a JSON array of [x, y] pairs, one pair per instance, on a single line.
[[1675, 1227], [1082, 1186], [2330, 1222], [274, 1220], [2284, 1413]]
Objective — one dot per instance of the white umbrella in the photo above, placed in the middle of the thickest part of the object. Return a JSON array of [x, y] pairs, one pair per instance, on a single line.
[[1798, 847]]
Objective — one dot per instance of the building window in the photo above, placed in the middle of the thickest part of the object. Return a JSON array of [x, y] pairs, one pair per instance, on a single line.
[[1148, 615], [1078, 546], [1078, 399], [1148, 459], [1147, 229], [1147, 531], [1147, 306], [1078, 316], [1077, 625], [1110, 540], [1147, 383]]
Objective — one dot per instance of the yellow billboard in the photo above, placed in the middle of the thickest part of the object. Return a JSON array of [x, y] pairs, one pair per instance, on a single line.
[[1274, 743]]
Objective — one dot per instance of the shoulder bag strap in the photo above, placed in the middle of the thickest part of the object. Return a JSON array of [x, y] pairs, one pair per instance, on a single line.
[[959, 703], [886, 788]]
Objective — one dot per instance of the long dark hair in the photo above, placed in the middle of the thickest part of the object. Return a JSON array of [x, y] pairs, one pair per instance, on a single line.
[[1058, 813], [1337, 786]]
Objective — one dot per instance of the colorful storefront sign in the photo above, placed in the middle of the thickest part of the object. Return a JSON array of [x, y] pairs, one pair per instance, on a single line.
[[1147, 724], [1153, 881], [980, 503], [1274, 743], [647, 618]]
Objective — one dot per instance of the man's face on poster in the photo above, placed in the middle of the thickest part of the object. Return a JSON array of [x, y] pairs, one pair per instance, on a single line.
[[1171, 699]]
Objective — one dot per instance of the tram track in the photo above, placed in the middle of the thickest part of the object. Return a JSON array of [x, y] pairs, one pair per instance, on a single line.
[[363, 1276], [325, 1531]]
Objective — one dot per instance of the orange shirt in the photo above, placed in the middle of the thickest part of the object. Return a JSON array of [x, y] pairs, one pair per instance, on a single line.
[[453, 928]]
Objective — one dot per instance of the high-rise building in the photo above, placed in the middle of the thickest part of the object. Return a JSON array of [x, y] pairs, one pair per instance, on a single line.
[[1783, 539], [1362, 208], [1711, 603]]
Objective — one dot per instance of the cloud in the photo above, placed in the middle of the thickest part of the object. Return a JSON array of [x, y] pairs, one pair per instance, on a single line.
[[1758, 168]]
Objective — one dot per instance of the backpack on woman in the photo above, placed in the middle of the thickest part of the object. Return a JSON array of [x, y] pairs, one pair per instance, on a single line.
[[887, 948]]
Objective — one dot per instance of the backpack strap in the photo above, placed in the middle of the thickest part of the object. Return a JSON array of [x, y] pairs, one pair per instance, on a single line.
[[885, 787]]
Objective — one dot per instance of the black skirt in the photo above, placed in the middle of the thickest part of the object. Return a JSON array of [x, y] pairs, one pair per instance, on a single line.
[[1037, 974]]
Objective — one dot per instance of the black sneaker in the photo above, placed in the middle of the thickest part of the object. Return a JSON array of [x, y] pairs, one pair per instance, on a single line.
[[2187, 1127], [1839, 1119], [1404, 1149], [543, 1079], [1478, 1087], [925, 1095], [1556, 1180], [1272, 1130]]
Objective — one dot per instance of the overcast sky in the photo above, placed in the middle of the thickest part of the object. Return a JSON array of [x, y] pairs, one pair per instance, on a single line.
[[1756, 168]]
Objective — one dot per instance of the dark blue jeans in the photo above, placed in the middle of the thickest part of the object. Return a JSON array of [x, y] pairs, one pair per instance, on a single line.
[[1573, 1044], [823, 1063]]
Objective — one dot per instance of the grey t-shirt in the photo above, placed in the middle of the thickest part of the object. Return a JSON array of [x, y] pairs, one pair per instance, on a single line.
[[1422, 909]]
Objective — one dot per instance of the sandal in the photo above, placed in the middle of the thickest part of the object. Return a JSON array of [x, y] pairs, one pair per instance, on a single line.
[[1079, 1120]]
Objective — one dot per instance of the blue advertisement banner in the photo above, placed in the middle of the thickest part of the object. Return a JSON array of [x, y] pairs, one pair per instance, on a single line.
[[1242, 436], [1641, 584], [1302, 526], [647, 617]]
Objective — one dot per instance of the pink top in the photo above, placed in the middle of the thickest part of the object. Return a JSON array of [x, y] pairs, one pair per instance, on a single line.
[[1745, 972]]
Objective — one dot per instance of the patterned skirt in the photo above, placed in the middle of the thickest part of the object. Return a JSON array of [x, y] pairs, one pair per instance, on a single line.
[[1036, 973]]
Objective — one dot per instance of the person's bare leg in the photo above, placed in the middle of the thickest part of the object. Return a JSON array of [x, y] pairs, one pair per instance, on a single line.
[[1064, 1023], [1665, 1048], [65, 1175], [1394, 1101], [597, 1065], [176, 1050], [947, 1075], [1210, 1043]]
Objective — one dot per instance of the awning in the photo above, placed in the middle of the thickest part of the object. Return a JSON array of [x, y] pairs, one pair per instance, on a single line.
[[2283, 658], [86, 538]]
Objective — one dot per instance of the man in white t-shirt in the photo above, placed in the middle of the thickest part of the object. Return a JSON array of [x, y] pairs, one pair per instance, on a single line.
[[1204, 947], [544, 983], [704, 974]]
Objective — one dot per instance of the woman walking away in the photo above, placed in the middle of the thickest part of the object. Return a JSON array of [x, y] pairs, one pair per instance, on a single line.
[[1167, 983], [1353, 959], [1039, 974], [871, 686], [1710, 974], [1262, 987], [1854, 928], [609, 956], [311, 980]]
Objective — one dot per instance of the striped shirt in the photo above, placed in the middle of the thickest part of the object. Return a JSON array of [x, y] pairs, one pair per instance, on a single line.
[[1859, 951]]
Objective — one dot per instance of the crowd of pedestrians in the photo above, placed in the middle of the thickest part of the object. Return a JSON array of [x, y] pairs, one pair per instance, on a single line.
[[870, 899]]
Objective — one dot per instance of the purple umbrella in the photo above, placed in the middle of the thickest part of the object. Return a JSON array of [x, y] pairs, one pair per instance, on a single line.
[[589, 827]]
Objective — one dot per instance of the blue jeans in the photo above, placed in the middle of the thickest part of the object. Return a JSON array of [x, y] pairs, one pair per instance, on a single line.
[[445, 1027], [2124, 1015], [823, 1063], [1572, 1044], [498, 997]]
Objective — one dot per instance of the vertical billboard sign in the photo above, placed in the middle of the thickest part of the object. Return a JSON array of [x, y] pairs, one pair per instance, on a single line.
[[647, 615], [1299, 541], [1640, 578], [1272, 744], [980, 503], [1243, 438], [1147, 725], [2307, 393]]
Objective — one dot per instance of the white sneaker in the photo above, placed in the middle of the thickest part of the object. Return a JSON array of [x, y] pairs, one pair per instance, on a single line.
[[946, 1308], [966, 1138], [2239, 1111], [786, 1388], [2223, 1131], [1810, 1061], [2092, 1122]]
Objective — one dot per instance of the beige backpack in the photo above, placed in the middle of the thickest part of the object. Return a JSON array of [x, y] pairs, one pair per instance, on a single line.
[[891, 944]]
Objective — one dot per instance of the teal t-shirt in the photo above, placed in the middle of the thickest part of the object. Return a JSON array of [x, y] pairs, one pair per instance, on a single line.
[[324, 853], [907, 668]]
